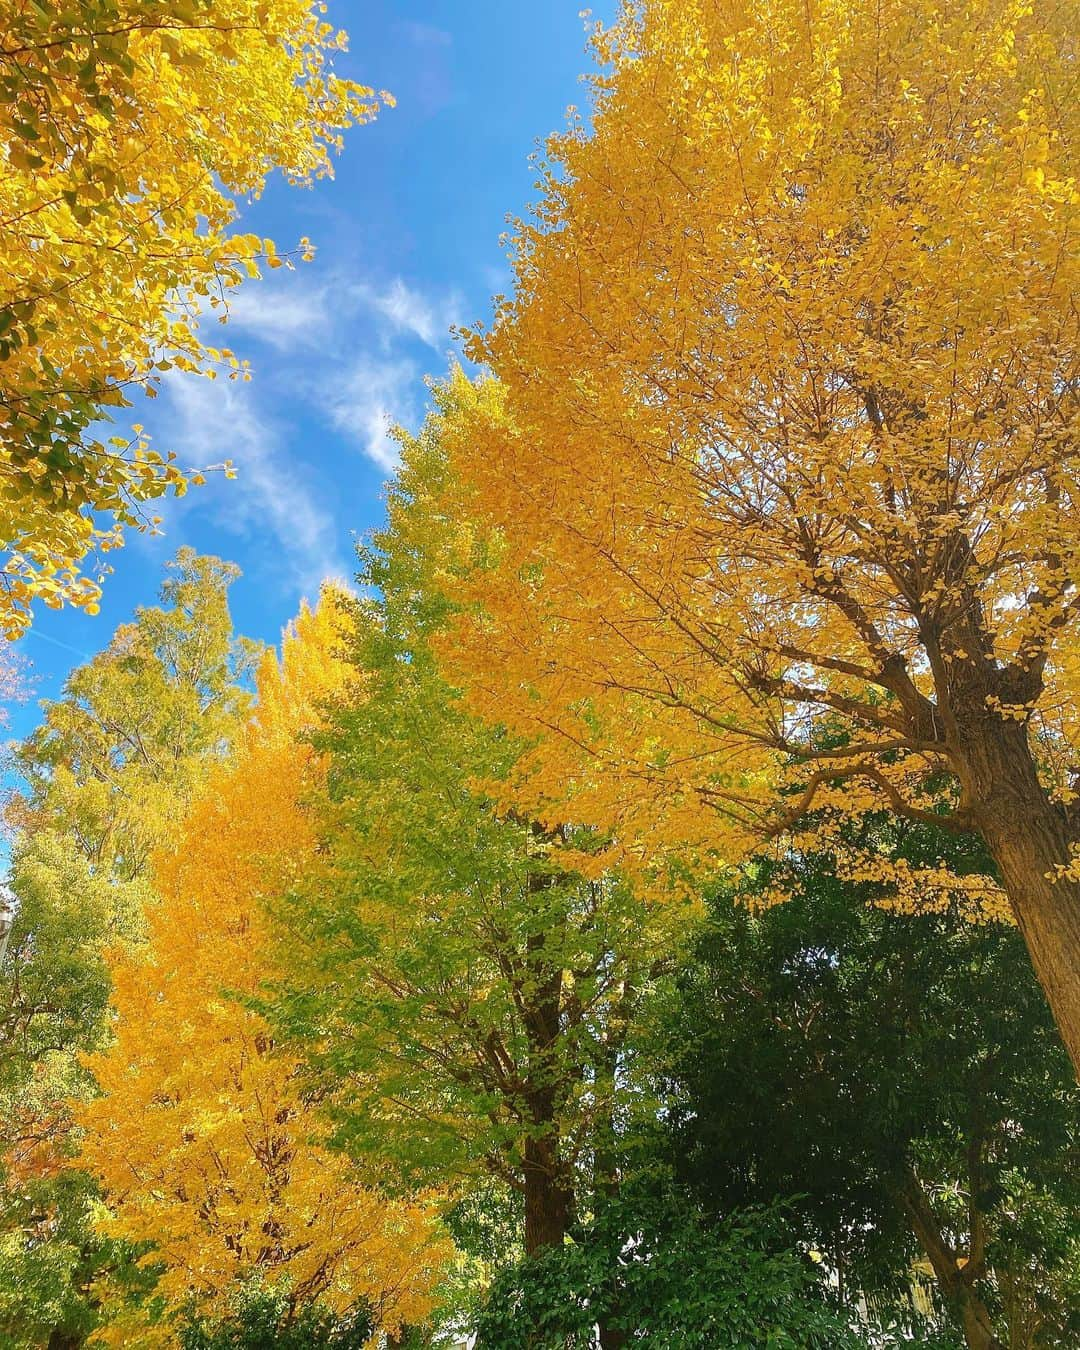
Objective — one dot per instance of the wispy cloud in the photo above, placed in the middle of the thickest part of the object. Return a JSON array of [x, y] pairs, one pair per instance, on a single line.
[[351, 353], [287, 314], [271, 503], [369, 398], [293, 313], [411, 312], [369, 394]]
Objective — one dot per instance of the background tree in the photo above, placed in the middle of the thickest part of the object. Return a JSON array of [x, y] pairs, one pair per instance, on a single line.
[[127, 128], [114, 761], [461, 997], [14, 681], [788, 432], [902, 1076], [655, 1269], [263, 1321], [201, 1137], [131, 736]]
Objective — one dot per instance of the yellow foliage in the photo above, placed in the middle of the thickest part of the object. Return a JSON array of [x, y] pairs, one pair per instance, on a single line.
[[202, 1138], [780, 460], [126, 129]]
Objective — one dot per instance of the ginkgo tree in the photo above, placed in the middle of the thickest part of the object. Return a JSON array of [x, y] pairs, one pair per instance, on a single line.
[[127, 130], [112, 764], [202, 1137], [783, 458], [461, 996]]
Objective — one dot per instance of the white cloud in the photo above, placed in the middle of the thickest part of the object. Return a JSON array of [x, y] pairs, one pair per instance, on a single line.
[[285, 314], [369, 398], [292, 313], [351, 346], [270, 501], [411, 312], [371, 393]]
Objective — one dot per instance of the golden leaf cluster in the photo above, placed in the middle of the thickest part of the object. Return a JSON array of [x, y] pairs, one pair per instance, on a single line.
[[127, 130], [780, 451], [202, 1138]]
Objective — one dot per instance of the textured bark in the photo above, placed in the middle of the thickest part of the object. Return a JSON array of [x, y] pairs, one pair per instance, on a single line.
[[548, 1203], [978, 1335], [1029, 837]]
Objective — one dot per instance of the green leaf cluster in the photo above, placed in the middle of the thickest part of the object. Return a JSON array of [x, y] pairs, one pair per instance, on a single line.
[[901, 1074], [265, 1319], [653, 1267]]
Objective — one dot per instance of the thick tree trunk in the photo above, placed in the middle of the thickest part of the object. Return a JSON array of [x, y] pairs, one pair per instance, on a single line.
[[1047, 912], [548, 1204], [977, 1334], [1030, 837]]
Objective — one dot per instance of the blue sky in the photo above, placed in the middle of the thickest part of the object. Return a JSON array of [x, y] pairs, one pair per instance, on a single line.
[[408, 239]]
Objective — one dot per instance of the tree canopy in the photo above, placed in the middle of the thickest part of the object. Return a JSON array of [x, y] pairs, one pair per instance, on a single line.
[[115, 760], [902, 1075], [128, 128], [782, 460], [459, 992], [645, 908], [203, 1142]]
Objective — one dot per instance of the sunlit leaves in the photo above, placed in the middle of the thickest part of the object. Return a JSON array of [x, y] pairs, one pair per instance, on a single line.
[[128, 129], [203, 1139], [781, 459]]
